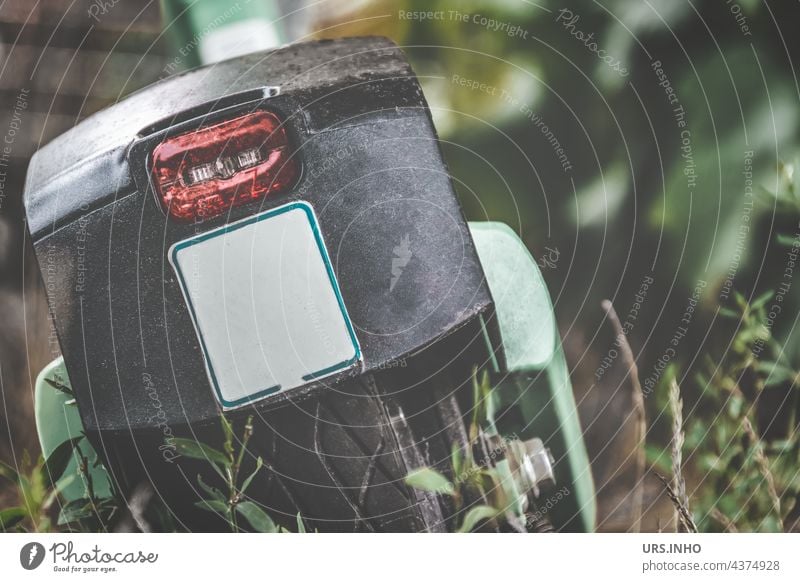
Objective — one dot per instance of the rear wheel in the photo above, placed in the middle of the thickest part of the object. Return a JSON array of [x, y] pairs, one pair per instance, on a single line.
[[338, 457]]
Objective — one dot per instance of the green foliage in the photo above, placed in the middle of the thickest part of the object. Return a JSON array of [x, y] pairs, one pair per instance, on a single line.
[[232, 504], [60, 386], [786, 194], [740, 479], [470, 479], [475, 516], [32, 482], [92, 512], [58, 460], [11, 517], [257, 517], [37, 487], [431, 480], [197, 450], [630, 197], [89, 514]]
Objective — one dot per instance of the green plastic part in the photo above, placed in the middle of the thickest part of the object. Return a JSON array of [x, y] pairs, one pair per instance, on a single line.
[[533, 396], [58, 420], [206, 31]]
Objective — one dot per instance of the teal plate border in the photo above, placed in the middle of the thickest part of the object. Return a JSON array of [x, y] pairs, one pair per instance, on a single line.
[[313, 223]]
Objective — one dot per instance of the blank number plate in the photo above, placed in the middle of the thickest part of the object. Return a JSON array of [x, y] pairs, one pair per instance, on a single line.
[[266, 304]]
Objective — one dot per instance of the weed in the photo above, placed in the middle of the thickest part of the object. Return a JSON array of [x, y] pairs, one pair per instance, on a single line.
[[233, 504], [471, 479]]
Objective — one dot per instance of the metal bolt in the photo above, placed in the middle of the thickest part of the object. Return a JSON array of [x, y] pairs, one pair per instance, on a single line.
[[532, 465], [542, 462]]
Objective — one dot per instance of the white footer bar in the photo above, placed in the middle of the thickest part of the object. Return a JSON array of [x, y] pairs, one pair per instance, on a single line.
[[406, 557]]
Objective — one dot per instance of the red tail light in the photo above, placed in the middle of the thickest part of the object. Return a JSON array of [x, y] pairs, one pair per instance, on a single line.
[[205, 172]]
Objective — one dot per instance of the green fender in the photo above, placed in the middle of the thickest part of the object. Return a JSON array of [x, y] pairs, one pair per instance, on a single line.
[[58, 420], [534, 398]]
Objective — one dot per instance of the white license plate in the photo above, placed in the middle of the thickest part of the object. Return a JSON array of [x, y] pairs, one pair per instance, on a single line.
[[266, 304]]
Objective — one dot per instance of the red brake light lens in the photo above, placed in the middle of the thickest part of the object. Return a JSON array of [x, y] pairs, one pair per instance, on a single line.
[[205, 172]]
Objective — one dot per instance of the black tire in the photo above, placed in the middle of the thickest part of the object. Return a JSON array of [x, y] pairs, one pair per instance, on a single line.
[[338, 457]]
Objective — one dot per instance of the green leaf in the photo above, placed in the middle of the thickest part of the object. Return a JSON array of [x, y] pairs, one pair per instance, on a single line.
[[213, 491], [476, 395], [248, 433], [257, 517], [427, 479], [57, 462], [762, 300], [301, 527], [62, 484], [197, 450], [776, 373], [227, 431], [735, 405], [8, 472], [456, 460], [725, 312], [740, 300], [76, 510], [476, 515], [782, 445], [11, 517], [246, 484], [60, 386], [213, 505], [481, 390]]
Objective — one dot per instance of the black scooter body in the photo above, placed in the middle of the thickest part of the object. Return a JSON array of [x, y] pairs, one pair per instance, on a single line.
[[337, 448]]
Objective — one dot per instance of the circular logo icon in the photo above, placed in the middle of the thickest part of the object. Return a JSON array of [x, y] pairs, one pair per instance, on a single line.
[[31, 555]]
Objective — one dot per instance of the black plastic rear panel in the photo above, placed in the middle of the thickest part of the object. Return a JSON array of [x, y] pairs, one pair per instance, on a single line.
[[372, 170]]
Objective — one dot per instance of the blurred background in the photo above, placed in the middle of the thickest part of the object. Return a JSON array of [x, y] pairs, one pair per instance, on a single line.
[[645, 150]]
